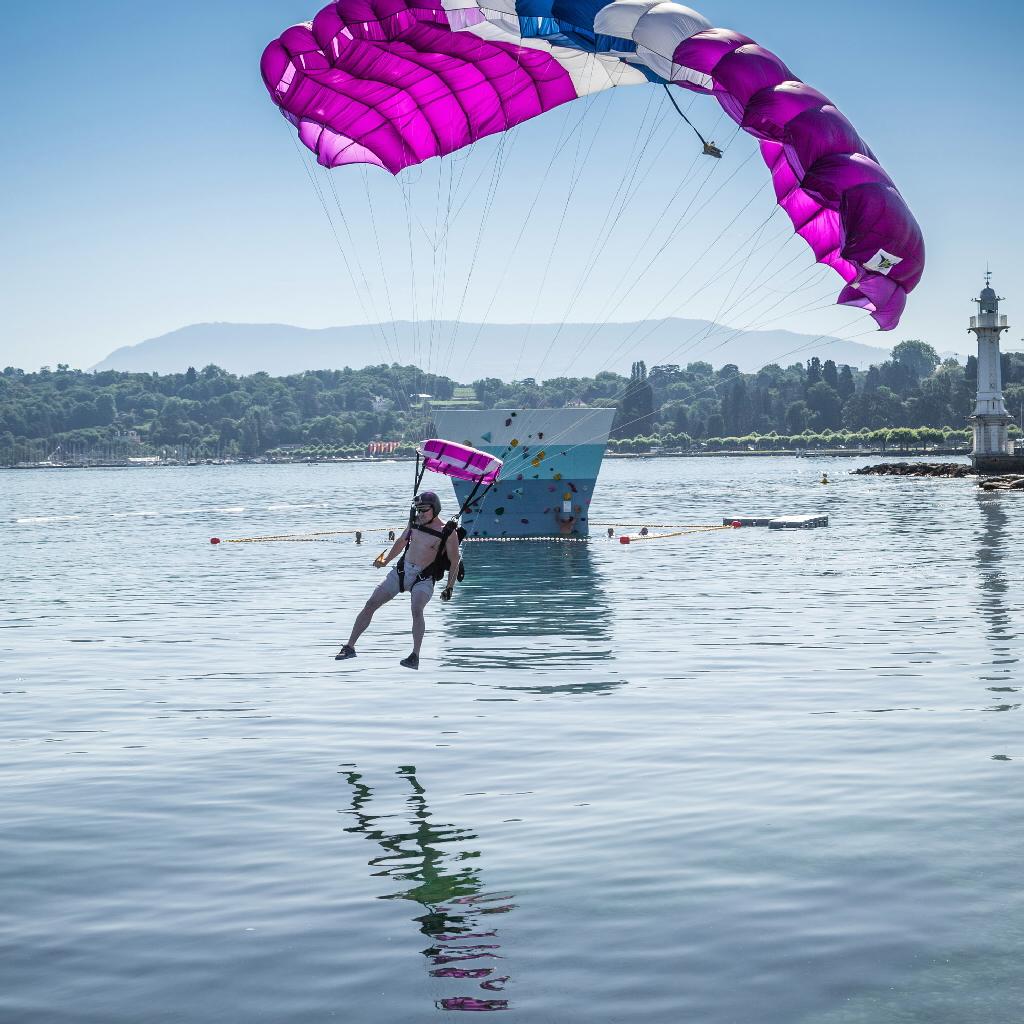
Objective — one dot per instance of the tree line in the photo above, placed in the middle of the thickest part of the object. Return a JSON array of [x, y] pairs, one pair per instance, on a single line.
[[214, 411]]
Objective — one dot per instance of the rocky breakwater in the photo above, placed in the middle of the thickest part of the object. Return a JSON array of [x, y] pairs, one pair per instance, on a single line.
[[1010, 482], [946, 470], [949, 470]]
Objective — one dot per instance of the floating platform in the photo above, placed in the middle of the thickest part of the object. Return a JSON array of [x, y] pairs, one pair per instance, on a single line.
[[779, 522]]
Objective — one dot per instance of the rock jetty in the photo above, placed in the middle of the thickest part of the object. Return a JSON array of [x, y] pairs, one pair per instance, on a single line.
[[1002, 483], [950, 470], [946, 470]]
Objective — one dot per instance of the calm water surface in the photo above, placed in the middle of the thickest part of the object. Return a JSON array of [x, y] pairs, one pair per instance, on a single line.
[[730, 777]]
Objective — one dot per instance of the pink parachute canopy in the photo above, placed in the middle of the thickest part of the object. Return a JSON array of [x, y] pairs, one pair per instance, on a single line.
[[460, 461], [396, 82]]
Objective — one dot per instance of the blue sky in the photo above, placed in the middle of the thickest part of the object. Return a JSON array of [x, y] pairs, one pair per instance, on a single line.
[[148, 183]]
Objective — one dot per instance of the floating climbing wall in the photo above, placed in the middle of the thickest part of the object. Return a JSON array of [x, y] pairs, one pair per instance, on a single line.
[[552, 459]]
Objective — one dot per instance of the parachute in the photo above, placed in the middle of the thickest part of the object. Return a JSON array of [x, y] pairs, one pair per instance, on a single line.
[[393, 83], [459, 461]]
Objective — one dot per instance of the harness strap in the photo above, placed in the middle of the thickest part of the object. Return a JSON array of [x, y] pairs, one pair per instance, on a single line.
[[426, 529]]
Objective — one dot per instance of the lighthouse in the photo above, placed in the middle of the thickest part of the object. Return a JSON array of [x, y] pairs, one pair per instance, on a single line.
[[992, 452]]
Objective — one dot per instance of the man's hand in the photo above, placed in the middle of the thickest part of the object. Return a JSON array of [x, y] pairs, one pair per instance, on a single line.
[[381, 560], [446, 594]]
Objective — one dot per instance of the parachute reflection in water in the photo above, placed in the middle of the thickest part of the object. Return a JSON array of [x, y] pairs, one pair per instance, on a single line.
[[395, 82]]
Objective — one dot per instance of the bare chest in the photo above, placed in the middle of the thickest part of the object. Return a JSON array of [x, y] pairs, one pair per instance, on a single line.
[[422, 548]]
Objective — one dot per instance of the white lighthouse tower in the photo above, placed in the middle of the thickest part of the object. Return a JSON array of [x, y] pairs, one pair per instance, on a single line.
[[991, 420]]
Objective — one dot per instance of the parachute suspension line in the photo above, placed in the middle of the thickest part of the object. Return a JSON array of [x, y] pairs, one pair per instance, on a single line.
[[710, 149], [627, 189], [522, 228], [437, 279], [688, 342], [634, 174], [378, 326], [754, 238], [685, 219], [621, 347], [575, 175], [412, 281], [604, 234], [334, 231], [445, 249], [384, 278], [758, 319], [500, 161]]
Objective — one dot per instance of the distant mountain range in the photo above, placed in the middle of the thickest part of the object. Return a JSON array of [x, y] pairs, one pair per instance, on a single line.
[[468, 351]]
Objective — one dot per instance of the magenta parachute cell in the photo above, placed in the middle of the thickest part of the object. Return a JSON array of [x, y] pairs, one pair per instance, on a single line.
[[460, 461], [395, 82]]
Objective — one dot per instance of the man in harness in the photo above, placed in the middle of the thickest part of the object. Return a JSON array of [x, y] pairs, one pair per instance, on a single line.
[[428, 549]]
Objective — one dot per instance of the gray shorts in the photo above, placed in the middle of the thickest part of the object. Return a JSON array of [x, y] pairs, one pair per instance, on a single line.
[[389, 587]]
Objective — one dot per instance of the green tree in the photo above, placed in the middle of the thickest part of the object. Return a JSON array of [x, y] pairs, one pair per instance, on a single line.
[[917, 356]]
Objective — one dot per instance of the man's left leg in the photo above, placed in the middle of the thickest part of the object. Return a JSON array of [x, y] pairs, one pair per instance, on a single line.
[[418, 599]]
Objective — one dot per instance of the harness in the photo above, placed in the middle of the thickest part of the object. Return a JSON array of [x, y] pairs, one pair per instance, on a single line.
[[441, 563]]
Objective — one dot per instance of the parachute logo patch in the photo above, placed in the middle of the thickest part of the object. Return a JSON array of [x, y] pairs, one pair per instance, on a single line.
[[882, 262]]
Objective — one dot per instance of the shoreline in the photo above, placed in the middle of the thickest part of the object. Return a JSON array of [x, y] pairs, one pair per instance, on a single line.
[[825, 453]]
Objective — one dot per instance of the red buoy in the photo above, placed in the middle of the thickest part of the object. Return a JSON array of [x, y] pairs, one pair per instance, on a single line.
[[736, 524], [624, 539], [215, 540]]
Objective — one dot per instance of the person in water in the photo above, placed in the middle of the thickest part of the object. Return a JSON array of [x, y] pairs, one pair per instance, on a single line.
[[421, 564], [824, 478]]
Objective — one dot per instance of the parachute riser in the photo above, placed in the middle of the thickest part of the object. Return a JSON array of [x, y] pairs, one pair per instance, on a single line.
[[710, 149]]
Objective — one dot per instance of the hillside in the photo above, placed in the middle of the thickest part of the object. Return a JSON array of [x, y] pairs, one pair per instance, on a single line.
[[506, 351]]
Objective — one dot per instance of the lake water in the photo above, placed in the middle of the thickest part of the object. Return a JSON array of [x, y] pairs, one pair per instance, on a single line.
[[738, 776]]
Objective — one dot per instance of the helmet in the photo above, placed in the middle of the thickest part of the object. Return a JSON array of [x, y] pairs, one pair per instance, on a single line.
[[426, 499]]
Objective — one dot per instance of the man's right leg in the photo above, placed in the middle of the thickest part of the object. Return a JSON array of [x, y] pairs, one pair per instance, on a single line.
[[380, 597]]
